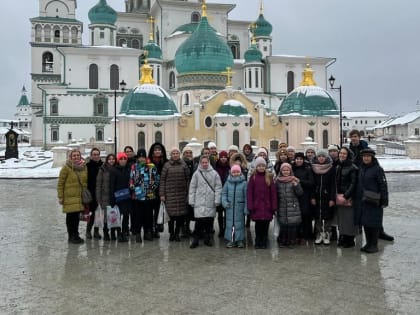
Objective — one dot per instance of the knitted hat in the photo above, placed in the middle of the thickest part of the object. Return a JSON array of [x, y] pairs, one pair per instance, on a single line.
[[175, 149], [259, 160], [290, 148], [211, 145], [121, 155], [310, 148], [236, 168], [233, 148], [299, 155], [333, 147], [367, 151], [141, 153], [322, 152], [286, 165], [223, 154], [262, 150], [186, 148]]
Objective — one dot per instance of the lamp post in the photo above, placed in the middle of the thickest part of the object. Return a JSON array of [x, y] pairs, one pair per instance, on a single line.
[[332, 80], [122, 87]]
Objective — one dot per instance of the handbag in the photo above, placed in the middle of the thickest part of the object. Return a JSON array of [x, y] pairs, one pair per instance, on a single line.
[[371, 197], [85, 214], [122, 194], [113, 218], [86, 195], [341, 201]]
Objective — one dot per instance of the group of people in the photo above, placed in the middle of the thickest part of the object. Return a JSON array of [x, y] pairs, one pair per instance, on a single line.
[[317, 195]]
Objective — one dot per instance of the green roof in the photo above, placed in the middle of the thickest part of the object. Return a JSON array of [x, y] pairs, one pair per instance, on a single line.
[[308, 101], [203, 51], [148, 100], [253, 54], [102, 13], [232, 108], [153, 50], [23, 100], [264, 27]]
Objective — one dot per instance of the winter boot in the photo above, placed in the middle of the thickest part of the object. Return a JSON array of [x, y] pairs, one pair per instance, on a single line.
[[220, 222], [96, 234], [194, 243], [333, 235], [319, 238], [384, 236], [348, 241], [138, 238], [368, 239], [148, 236], [326, 239], [122, 237], [373, 244], [106, 235], [208, 240], [257, 242], [113, 231]]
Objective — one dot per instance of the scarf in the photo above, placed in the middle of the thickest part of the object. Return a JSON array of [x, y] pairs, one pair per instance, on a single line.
[[285, 179], [77, 165], [321, 168]]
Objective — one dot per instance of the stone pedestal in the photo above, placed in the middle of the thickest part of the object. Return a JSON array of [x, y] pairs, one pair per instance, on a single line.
[[195, 146], [60, 155], [380, 149], [412, 147], [309, 142]]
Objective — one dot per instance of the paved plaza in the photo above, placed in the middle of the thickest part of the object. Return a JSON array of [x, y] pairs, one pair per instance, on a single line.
[[40, 273]]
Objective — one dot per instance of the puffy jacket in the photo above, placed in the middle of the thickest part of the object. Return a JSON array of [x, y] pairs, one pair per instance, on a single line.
[[102, 186], [288, 209], [68, 186]]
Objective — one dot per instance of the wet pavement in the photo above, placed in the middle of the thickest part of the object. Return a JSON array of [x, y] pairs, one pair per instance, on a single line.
[[40, 273]]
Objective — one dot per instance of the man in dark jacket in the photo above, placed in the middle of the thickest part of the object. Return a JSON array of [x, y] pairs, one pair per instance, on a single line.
[[93, 166], [357, 145]]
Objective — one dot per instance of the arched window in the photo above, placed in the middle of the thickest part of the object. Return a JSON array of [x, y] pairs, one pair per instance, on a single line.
[[122, 42], [172, 80], [93, 76], [141, 140], [325, 139], [249, 78], [100, 134], [186, 99], [74, 34], [287, 136], [290, 81], [182, 145], [56, 34], [114, 78], [235, 138], [38, 33], [47, 33], [54, 106], [66, 34], [158, 136], [195, 17], [47, 62], [135, 43], [54, 134], [311, 134]]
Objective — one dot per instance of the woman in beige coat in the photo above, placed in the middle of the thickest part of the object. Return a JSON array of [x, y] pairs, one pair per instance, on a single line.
[[72, 177]]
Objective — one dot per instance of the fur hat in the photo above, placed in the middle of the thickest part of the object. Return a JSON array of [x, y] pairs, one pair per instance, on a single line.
[[223, 154], [322, 152], [235, 167], [262, 150], [233, 148], [186, 148], [259, 160], [299, 155], [121, 155], [141, 153], [367, 151], [211, 145], [333, 147]]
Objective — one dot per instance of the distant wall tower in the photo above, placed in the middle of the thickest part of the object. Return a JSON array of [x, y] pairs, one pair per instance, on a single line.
[[55, 26]]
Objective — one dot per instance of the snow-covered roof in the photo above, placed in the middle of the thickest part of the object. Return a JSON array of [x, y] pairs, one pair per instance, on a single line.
[[407, 118], [364, 114]]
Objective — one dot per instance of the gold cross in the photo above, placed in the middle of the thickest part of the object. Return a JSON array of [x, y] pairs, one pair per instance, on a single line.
[[228, 74]]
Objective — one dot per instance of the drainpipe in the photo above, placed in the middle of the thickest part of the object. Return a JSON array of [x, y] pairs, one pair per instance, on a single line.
[[64, 65]]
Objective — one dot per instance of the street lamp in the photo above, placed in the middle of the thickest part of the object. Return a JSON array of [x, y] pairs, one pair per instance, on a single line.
[[122, 87], [332, 80]]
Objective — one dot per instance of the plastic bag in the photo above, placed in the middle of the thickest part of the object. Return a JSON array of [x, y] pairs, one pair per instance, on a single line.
[[99, 218], [276, 228], [163, 216], [113, 217]]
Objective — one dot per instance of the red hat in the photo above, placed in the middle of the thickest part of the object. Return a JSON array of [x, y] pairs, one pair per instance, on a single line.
[[121, 155], [223, 154]]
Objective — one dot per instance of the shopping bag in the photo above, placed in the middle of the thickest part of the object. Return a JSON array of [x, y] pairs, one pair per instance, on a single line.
[[85, 214], [163, 216], [99, 218], [276, 228], [113, 217]]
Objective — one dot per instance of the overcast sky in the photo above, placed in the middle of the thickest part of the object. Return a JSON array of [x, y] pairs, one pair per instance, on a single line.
[[376, 44]]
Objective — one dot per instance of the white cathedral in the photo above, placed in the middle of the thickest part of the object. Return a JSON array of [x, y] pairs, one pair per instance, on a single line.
[[214, 79]]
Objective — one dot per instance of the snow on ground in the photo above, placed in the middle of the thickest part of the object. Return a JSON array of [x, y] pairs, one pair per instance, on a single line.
[[36, 163]]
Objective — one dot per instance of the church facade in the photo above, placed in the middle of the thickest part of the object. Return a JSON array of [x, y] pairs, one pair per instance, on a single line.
[[225, 83]]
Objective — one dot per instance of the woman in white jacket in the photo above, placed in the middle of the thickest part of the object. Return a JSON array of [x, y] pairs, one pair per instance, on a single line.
[[204, 196]]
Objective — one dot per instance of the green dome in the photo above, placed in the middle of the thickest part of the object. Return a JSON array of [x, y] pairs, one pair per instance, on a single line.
[[253, 54], [102, 13], [148, 100], [308, 101], [203, 51], [264, 27], [232, 108], [153, 50]]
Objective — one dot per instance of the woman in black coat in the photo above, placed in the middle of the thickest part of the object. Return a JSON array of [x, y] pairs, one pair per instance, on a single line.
[[120, 179], [303, 171], [346, 184], [372, 180]]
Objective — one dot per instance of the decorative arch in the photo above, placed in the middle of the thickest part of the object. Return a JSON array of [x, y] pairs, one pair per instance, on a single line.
[[47, 62], [158, 136], [141, 139], [290, 81], [93, 76], [311, 134], [235, 138], [325, 139], [172, 80], [114, 77]]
